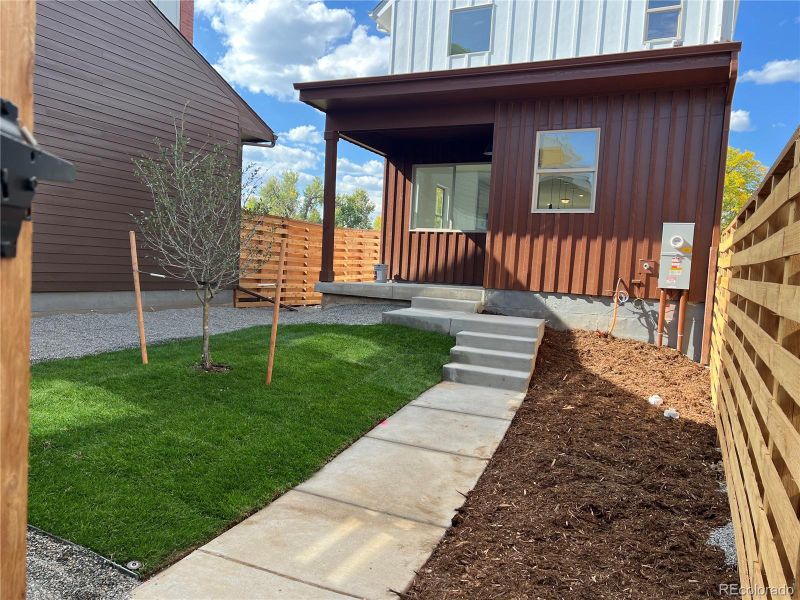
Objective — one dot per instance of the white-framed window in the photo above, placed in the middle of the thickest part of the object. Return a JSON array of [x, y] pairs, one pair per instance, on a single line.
[[663, 20], [565, 170], [470, 30], [451, 197]]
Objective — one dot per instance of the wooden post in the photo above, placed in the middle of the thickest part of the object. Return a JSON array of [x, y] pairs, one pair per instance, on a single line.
[[137, 290], [681, 319], [276, 310], [662, 310], [329, 206], [17, 45], [708, 312]]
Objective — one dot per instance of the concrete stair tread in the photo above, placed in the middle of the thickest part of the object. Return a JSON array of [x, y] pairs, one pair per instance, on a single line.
[[501, 319], [446, 304], [498, 336], [487, 351], [488, 370]]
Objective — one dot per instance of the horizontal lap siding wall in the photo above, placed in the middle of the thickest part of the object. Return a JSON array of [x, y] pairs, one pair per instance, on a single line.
[[659, 162], [430, 257], [110, 77]]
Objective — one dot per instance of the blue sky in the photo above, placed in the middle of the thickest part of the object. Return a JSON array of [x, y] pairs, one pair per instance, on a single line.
[[769, 31], [309, 41]]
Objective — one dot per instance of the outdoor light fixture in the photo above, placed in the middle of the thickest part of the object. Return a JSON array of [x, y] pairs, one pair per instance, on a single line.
[[488, 150]]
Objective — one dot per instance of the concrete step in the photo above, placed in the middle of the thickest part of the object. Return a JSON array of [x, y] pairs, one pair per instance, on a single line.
[[499, 359], [417, 318], [491, 341], [497, 324], [426, 303], [487, 376]]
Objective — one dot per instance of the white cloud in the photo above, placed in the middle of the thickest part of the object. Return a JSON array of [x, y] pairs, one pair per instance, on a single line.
[[740, 121], [306, 160], [367, 175], [270, 44], [775, 71], [273, 161], [303, 134]]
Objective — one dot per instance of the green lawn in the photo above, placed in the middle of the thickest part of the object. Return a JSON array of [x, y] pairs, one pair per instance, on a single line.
[[146, 462]]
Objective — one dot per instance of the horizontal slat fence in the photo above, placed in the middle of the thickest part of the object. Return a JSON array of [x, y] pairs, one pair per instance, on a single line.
[[355, 253], [755, 369]]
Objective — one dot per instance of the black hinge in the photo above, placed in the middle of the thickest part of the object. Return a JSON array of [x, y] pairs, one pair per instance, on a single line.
[[22, 166]]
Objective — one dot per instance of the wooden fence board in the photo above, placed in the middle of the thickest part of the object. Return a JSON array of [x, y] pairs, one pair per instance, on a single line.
[[755, 377], [356, 251]]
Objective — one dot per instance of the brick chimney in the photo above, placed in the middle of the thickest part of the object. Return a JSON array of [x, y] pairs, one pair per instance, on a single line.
[[187, 19]]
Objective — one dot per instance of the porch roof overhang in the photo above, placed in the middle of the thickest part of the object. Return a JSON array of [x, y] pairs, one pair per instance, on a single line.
[[393, 102]]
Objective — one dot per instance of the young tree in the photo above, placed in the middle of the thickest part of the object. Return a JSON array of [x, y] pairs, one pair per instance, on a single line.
[[376, 224], [195, 228], [278, 196], [311, 202], [354, 210], [743, 173]]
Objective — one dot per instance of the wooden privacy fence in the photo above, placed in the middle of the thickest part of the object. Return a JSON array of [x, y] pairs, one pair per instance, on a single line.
[[755, 370], [356, 252]]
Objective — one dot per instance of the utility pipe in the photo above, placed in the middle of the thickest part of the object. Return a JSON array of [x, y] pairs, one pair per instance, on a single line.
[[662, 310], [681, 318]]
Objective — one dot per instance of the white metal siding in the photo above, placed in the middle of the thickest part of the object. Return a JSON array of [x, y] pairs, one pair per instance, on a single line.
[[534, 30]]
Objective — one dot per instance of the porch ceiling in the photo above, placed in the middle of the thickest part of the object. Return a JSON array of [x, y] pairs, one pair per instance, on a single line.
[[384, 141]]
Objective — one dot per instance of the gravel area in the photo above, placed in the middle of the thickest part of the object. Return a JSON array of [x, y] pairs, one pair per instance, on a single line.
[[725, 539], [72, 335], [59, 570]]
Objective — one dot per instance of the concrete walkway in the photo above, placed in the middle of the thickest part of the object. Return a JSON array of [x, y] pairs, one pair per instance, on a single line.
[[367, 521]]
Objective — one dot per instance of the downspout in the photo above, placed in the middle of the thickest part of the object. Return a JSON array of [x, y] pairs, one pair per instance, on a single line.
[[708, 313]]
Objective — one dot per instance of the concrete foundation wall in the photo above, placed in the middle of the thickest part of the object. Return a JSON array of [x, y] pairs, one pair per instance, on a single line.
[[71, 302], [636, 320]]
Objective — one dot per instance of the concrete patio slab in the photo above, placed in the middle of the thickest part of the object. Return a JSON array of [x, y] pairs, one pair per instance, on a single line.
[[472, 399], [448, 431], [397, 479], [331, 544], [202, 576]]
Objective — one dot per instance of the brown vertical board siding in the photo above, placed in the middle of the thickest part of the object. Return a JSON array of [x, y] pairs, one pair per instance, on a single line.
[[109, 78], [657, 164], [426, 256]]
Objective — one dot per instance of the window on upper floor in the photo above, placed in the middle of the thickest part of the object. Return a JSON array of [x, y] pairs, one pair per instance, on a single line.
[[663, 20], [565, 171], [470, 30], [451, 197]]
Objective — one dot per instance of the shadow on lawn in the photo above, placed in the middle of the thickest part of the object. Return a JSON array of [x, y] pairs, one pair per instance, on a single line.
[[593, 493], [144, 462]]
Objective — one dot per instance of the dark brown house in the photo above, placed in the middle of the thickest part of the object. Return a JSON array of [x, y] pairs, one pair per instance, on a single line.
[[110, 77], [573, 166]]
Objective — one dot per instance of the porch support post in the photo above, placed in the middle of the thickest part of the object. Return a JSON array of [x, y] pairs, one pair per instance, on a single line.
[[329, 206]]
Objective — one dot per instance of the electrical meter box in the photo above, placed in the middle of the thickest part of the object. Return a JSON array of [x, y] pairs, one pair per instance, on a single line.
[[677, 240]]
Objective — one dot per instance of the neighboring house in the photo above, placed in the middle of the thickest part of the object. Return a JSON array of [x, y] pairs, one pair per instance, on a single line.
[[110, 77], [545, 169]]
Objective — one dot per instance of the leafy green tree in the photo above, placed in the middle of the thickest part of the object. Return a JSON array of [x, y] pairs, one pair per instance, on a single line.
[[376, 224], [278, 196], [311, 202], [354, 210], [743, 173]]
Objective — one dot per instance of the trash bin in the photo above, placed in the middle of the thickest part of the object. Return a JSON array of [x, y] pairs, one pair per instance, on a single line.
[[380, 273]]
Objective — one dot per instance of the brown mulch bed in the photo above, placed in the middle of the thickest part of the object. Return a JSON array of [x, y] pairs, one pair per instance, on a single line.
[[593, 493]]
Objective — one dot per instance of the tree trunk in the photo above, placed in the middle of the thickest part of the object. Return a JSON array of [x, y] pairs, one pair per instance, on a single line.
[[206, 307]]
